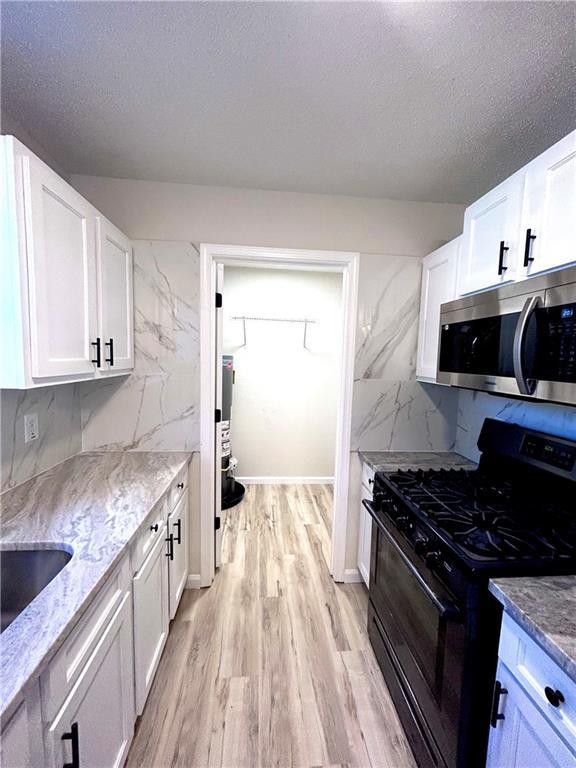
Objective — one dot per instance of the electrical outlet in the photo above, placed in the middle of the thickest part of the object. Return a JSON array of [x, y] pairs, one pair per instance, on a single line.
[[31, 431]]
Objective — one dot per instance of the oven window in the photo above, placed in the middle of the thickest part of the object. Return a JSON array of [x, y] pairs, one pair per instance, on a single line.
[[414, 621], [482, 346]]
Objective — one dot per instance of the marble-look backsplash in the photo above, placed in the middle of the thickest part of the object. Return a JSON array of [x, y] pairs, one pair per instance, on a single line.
[[391, 410], [60, 437], [157, 406], [474, 407]]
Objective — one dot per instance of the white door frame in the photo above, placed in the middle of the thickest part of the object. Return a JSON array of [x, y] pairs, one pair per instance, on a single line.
[[345, 263]]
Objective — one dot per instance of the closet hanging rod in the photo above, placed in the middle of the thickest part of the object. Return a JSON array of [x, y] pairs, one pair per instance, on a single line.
[[274, 319], [304, 320]]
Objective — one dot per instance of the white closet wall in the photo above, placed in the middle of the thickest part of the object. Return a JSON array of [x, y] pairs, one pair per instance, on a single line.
[[285, 396]]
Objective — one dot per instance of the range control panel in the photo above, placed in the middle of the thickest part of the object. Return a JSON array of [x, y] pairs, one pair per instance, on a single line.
[[551, 452]]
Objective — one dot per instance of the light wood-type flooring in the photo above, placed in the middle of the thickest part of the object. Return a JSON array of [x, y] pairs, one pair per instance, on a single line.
[[271, 666]]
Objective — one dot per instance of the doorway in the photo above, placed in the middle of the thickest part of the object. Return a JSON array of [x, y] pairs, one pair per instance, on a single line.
[[247, 330]]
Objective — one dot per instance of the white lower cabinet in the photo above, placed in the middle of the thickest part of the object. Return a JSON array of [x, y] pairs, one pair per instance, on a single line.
[[365, 524], [178, 562], [94, 727], [82, 710], [533, 723], [523, 737], [21, 741], [150, 594]]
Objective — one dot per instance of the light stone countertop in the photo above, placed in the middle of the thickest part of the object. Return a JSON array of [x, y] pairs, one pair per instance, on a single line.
[[390, 461], [94, 504], [545, 607]]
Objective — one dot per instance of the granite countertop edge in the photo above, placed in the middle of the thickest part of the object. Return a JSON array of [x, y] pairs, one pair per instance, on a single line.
[[558, 641], [391, 460], [32, 640]]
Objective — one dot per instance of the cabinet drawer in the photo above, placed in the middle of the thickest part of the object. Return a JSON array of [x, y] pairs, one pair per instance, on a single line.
[[178, 487], [66, 666], [368, 477], [152, 530], [535, 670]]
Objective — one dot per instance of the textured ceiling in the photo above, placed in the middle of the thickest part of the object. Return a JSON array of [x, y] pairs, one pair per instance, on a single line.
[[418, 101]]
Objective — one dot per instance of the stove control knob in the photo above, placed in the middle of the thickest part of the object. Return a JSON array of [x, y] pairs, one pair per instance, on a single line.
[[433, 559], [421, 545], [404, 524]]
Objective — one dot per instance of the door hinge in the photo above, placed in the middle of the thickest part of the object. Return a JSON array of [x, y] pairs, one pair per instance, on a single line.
[[217, 415], [217, 523], [218, 300]]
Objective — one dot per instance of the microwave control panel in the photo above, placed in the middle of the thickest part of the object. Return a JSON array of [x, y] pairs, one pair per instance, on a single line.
[[559, 353]]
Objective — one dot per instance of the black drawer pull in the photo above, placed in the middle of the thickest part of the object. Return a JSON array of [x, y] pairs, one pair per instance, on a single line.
[[528, 247], [72, 735], [498, 691], [154, 527], [111, 345], [178, 524], [503, 249], [554, 697], [170, 542], [98, 360], [180, 485]]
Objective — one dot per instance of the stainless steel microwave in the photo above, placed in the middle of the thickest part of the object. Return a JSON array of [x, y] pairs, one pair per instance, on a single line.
[[519, 339]]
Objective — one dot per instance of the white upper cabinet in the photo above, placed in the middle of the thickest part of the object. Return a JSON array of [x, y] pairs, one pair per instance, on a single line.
[[115, 321], [490, 247], [65, 280], [548, 229], [61, 272], [439, 276]]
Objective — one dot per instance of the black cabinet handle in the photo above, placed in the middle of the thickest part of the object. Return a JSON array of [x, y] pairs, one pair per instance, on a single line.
[[528, 247], [178, 524], [170, 541], [154, 527], [180, 485], [503, 249], [72, 735], [97, 344], [554, 697], [498, 691], [111, 345]]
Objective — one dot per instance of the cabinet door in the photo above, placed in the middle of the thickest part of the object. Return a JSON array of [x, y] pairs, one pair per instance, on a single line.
[[548, 233], [150, 595], [116, 306], [98, 716], [439, 273], [21, 739], [178, 565], [60, 243], [364, 538], [489, 223], [524, 737]]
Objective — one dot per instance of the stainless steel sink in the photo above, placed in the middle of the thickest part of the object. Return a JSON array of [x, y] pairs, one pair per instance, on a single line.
[[23, 574]]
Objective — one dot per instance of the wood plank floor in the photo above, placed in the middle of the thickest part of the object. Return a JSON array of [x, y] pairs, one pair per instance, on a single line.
[[271, 666]]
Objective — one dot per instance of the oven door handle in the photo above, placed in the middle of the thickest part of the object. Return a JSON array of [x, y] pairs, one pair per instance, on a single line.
[[446, 610], [526, 386]]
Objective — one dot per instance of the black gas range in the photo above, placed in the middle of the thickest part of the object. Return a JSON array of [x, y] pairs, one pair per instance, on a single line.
[[438, 536]]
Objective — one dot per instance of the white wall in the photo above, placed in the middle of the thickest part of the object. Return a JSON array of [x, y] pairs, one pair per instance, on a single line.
[[163, 211], [285, 396]]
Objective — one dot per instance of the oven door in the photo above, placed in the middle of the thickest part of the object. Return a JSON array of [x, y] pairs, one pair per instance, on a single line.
[[423, 631]]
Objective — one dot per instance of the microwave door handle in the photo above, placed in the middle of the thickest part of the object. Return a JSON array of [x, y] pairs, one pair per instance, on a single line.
[[525, 385], [446, 610]]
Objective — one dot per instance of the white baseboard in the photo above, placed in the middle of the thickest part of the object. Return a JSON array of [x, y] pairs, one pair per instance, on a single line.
[[193, 581], [286, 480], [352, 576]]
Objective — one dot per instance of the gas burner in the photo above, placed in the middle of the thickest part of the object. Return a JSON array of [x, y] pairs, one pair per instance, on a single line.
[[487, 516]]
